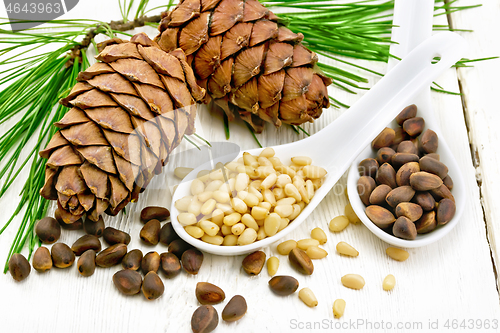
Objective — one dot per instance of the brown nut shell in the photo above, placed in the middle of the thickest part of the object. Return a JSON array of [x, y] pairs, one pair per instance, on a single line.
[[111, 256], [283, 285], [154, 212], [114, 236], [368, 167], [400, 159], [434, 156], [410, 210], [377, 197], [207, 293], [386, 175], [19, 267], [170, 264], [48, 230], [384, 139], [434, 166], [132, 260], [150, 232], [62, 255], [404, 173], [445, 211], [442, 192], [178, 247], [424, 181], [235, 309], [150, 262], [404, 228], [399, 194], [152, 286], [42, 261], [448, 182], [424, 200], [382, 217], [253, 263], [426, 223], [84, 243], [414, 126], [407, 147], [192, 260], [399, 136], [205, 319], [128, 281], [365, 187], [94, 228], [167, 234], [429, 142], [86, 263], [384, 155], [408, 112], [301, 261]]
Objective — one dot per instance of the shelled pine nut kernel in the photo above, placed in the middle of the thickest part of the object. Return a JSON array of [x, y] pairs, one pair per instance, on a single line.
[[261, 197]]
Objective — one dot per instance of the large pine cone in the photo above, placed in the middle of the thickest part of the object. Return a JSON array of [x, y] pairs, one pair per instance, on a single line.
[[243, 57], [128, 113]]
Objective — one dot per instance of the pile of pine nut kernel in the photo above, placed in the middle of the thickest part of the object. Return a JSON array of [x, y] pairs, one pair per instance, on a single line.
[[249, 199]]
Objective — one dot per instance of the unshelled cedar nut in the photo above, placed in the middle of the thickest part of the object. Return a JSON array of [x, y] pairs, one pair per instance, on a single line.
[[114, 236], [283, 285], [410, 210], [426, 223], [429, 142], [377, 197], [205, 319], [414, 126], [167, 234], [150, 262], [84, 243], [448, 182], [152, 286], [368, 167], [405, 171], [111, 256], [404, 228], [19, 267], [384, 139], [170, 264], [132, 260], [424, 200], [445, 211], [301, 261], [62, 256], [253, 263], [235, 309], [42, 261], [128, 281], [192, 260], [384, 155], [386, 175], [207, 293], [48, 230], [407, 147], [408, 112], [434, 166], [399, 159], [150, 232], [86, 263], [178, 247], [399, 194], [424, 181], [382, 217], [365, 187], [399, 136], [442, 192], [154, 212], [94, 228]]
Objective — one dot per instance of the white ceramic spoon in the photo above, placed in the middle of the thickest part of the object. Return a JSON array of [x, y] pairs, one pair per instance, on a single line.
[[413, 25], [335, 146]]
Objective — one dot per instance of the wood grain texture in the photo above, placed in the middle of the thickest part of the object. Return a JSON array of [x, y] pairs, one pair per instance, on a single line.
[[451, 279]]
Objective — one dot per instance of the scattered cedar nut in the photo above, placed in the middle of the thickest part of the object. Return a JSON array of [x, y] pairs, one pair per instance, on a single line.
[[384, 155], [386, 175], [365, 187], [84, 243], [432, 165], [94, 228], [424, 181], [62, 255], [408, 112], [410, 210], [384, 139], [429, 142], [178, 247], [86, 263], [377, 197], [445, 211], [191, 260], [152, 286], [127, 281], [114, 236], [19, 267], [170, 264], [301, 261], [404, 228], [426, 223], [235, 309], [283, 285], [207, 293], [132, 260], [407, 147], [380, 216], [253, 263], [154, 212], [167, 234], [111, 256], [414, 126], [399, 194], [150, 232], [48, 230], [42, 261], [405, 171], [368, 167], [399, 159], [424, 200], [150, 262], [205, 319]]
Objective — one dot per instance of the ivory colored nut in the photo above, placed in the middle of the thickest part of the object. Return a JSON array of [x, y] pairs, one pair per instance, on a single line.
[[338, 308], [307, 296], [319, 235], [353, 281], [397, 254], [272, 265], [287, 246], [301, 160], [338, 223], [389, 282], [350, 214], [304, 244], [346, 250], [315, 252], [181, 172]]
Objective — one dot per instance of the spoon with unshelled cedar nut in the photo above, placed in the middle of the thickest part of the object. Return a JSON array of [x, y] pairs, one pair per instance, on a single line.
[[336, 146], [412, 26]]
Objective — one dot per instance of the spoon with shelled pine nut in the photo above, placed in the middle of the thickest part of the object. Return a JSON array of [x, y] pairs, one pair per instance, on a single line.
[[334, 147]]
